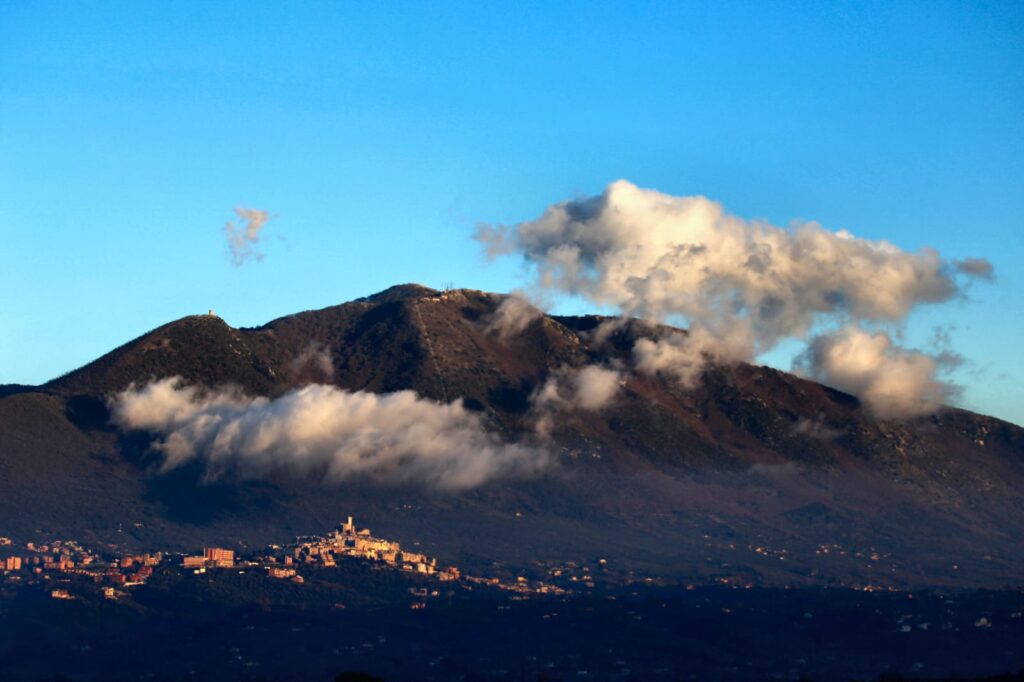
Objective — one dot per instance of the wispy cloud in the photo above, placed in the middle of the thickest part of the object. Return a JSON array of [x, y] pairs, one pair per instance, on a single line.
[[243, 237], [587, 388], [314, 363], [513, 315]]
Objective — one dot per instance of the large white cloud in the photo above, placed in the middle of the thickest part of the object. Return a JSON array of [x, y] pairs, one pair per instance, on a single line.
[[741, 286], [322, 430]]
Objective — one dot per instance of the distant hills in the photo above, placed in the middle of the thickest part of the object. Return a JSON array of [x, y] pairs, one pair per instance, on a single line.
[[754, 476]]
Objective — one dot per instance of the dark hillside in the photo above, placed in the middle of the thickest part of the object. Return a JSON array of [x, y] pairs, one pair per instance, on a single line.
[[200, 348]]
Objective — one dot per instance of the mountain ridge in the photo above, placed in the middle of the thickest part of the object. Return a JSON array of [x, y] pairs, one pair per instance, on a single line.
[[751, 453]]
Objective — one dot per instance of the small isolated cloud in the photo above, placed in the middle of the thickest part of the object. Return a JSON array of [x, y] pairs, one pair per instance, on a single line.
[[815, 429], [314, 363], [976, 267], [594, 387], [243, 237], [892, 382], [513, 316], [590, 388], [684, 356], [323, 431]]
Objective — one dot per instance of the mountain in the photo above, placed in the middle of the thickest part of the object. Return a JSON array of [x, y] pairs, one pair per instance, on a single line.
[[754, 476]]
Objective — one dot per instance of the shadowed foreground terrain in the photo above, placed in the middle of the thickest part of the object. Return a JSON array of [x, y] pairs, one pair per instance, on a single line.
[[235, 626]]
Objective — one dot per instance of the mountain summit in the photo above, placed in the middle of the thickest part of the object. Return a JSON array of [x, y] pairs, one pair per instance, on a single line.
[[751, 475]]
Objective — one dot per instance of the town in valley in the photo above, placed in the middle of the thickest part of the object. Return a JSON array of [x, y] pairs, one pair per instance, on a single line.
[[54, 563]]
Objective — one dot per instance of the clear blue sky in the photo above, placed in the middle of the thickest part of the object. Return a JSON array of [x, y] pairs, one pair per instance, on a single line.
[[380, 133]]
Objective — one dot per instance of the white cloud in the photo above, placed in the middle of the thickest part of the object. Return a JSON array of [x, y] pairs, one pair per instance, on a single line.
[[893, 382], [513, 315], [590, 388], [322, 430], [684, 356], [594, 387], [741, 286]]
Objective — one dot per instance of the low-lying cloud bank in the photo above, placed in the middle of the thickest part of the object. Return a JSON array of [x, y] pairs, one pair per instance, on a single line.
[[322, 430], [741, 286]]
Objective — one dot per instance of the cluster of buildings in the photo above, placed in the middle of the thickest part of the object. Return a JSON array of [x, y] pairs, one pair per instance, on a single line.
[[59, 561], [63, 559], [348, 541]]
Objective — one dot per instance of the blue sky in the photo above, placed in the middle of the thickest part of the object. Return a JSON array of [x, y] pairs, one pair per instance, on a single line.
[[379, 134]]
